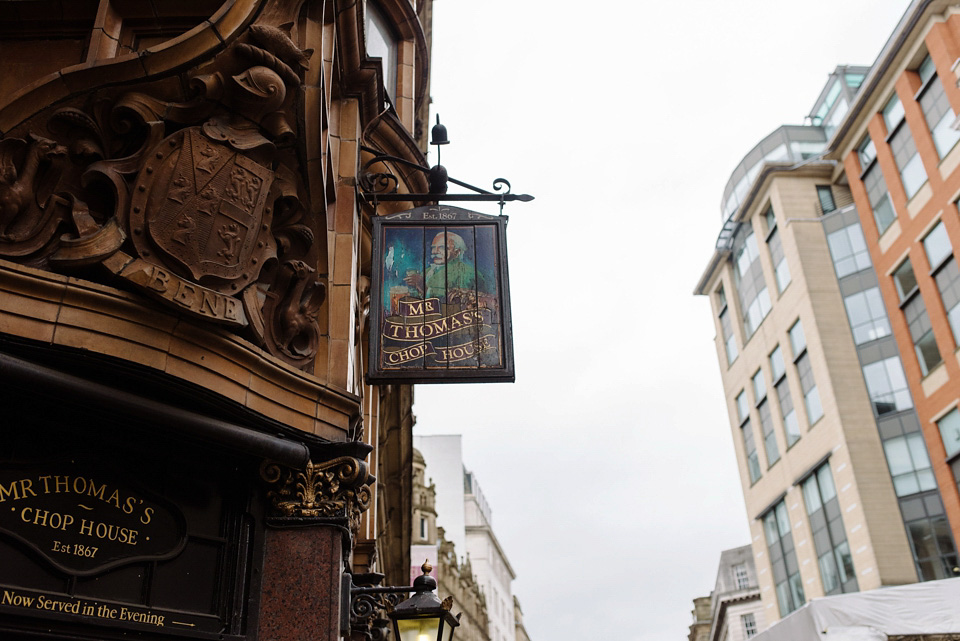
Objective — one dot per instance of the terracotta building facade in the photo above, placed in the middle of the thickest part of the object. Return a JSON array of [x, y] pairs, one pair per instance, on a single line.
[[898, 152], [189, 449]]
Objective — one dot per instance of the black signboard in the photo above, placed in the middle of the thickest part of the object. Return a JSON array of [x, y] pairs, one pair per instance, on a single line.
[[440, 300], [84, 521]]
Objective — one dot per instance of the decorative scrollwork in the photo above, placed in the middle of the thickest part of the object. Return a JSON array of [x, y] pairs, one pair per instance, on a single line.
[[339, 488], [499, 183], [368, 613], [379, 182]]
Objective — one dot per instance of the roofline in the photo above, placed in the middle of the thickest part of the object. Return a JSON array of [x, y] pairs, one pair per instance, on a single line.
[[893, 46], [496, 542], [802, 169]]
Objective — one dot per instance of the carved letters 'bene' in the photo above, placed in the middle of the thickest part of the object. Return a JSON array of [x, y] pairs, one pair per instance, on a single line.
[[198, 204]]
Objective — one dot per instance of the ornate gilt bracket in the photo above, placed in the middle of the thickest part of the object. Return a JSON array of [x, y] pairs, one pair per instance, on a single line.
[[338, 489], [368, 609]]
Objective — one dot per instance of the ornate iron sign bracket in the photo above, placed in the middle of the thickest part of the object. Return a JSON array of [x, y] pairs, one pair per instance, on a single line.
[[377, 186], [369, 604]]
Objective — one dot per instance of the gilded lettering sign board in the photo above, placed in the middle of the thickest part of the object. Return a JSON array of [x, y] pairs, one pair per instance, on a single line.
[[440, 300], [86, 521]]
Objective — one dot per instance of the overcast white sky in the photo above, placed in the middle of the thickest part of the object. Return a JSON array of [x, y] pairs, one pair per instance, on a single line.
[[609, 464]]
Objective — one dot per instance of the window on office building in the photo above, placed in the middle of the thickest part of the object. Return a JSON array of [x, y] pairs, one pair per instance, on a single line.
[[749, 446], [946, 274], [766, 419], [915, 312], [877, 193], [740, 577], [849, 250], [749, 625], [867, 315], [887, 386], [748, 276], [780, 268], [928, 531], [791, 425], [801, 359], [949, 427], [783, 559], [825, 196], [909, 464], [726, 326], [829, 536], [905, 155], [936, 109]]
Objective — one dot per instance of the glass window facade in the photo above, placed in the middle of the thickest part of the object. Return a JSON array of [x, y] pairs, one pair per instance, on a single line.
[[883, 212], [791, 425], [746, 430], [905, 155], [801, 359], [867, 315], [726, 327], [905, 280], [887, 386], [780, 268], [766, 419], [949, 427], [936, 109], [936, 244], [783, 559], [928, 531], [825, 196], [829, 536], [909, 464], [849, 250], [748, 276], [921, 331], [947, 278], [893, 113]]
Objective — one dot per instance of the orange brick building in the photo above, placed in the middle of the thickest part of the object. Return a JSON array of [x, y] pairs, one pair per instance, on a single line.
[[902, 128]]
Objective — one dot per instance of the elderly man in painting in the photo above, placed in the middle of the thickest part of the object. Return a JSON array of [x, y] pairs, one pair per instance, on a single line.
[[450, 276]]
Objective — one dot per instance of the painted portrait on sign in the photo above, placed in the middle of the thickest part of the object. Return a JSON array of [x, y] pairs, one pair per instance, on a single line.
[[439, 297]]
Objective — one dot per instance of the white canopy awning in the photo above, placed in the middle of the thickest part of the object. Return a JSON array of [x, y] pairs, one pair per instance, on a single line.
[[921, 608]]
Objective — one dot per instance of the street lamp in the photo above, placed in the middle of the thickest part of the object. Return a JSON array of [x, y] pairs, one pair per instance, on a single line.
[[423, 617]]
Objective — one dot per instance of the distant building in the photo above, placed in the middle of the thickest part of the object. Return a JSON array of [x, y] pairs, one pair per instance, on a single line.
[[456, 487], [733, 611], [454, 578], [700, 627], [518, 621]]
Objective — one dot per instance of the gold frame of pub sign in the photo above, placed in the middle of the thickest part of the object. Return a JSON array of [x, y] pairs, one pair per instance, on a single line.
[[440, 299]]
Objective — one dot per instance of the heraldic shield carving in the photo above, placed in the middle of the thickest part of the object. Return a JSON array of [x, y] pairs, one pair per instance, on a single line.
[[197, 202], [203, 205]]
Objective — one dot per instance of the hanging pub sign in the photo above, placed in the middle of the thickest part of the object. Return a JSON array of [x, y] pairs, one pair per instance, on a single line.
[[440, 300]]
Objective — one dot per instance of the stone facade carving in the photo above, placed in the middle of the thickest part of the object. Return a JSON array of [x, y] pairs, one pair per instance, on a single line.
[[198, 203], [337, 489]]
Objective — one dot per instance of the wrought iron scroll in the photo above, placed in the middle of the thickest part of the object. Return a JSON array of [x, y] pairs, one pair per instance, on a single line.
[[376, 186]]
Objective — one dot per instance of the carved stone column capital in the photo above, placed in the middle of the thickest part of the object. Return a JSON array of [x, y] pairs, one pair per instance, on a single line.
[[337, 490]]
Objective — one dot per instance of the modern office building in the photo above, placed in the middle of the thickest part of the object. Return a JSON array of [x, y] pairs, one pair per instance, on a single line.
[[897, 151], [188, 448], [846, 481]]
